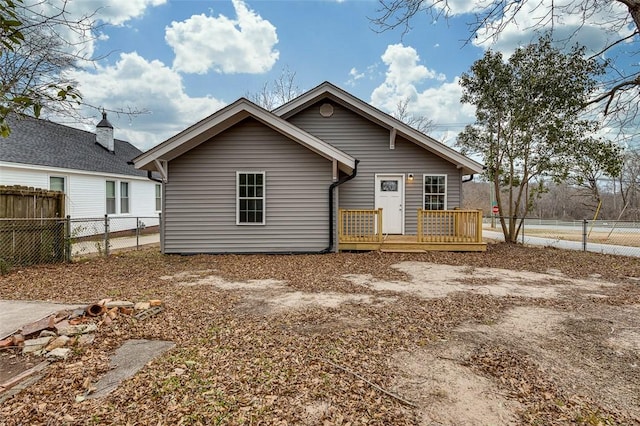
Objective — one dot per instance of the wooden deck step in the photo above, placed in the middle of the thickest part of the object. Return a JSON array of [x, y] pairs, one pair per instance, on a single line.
[[401, 250]]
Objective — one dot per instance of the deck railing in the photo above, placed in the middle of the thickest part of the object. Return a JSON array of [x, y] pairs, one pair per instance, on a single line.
[[449, 226], [433, 226], [360, 226]]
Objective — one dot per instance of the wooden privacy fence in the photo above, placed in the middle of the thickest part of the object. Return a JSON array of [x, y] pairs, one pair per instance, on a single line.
[[449, 226], [30, 203]]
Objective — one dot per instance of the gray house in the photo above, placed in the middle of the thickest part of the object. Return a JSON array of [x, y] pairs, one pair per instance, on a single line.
[[324, 172]]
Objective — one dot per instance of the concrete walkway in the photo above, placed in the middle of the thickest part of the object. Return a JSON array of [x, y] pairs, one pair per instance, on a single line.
[[83, 248], [16, 313]]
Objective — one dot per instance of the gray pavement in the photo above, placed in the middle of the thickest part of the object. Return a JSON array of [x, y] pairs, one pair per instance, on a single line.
[[16, 313], [128, 359], [569, 245], [90, 247]]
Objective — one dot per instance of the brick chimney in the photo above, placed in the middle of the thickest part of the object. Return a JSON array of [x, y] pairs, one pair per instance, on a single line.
[[104, 133]]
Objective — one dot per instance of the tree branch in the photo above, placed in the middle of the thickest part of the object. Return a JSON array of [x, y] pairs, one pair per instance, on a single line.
[[615, 43], [611, 93], [386, 392]]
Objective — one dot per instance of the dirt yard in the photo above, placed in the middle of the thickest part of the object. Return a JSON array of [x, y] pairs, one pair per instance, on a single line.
[[512, 336]]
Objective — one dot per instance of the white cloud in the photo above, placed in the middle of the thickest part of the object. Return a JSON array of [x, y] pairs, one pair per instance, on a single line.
[[441, 103], [242, 45], [355, 74], [114, 12], [592, 28], [133, 82], [403, 74], [117, 12], [458, 7]]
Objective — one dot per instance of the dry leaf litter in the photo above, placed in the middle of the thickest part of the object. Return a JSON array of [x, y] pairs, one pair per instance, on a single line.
[[304, 339]]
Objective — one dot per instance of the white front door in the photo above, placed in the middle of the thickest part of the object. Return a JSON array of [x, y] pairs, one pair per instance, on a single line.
[[389, 195]]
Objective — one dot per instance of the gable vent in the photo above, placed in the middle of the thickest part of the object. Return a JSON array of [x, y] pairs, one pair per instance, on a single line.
[[326, 110]]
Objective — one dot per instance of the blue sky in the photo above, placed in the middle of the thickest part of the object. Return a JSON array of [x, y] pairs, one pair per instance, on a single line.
[[181, 60]]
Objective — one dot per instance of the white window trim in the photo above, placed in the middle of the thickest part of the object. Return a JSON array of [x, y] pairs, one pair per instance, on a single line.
[[115, 196], [264, 198], [65, 190], [118, 194], [155, 198], [65, 178], [446, 188], [128, 197]]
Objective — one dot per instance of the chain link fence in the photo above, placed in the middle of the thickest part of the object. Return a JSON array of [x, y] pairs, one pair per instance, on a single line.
[[37, 241], [600, 236], [31, 241]]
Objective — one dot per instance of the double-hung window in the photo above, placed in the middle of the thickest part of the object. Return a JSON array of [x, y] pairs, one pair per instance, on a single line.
[[250, 203], [124, 197], [435, 192], [118, 197], [111, 197], [158, 197]]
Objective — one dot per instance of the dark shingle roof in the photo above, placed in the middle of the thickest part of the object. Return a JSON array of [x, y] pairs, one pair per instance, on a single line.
[[44, 143]]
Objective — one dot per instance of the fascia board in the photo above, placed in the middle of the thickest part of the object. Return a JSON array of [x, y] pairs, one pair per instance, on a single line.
[[190, 137], [224, 119], [368, 111]]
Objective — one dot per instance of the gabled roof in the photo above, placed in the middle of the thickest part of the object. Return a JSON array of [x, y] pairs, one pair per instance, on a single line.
[[226, 118], [44, 143], [328, 90]]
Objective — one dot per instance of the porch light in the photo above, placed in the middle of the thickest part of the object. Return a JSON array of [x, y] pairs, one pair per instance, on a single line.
[[410, 177]]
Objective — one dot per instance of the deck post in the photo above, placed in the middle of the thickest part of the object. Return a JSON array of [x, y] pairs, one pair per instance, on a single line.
[[457, 224], [479, 227], [380, 225], [419, 230]]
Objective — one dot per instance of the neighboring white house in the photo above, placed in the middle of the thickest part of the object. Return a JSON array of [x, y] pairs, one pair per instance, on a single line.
[[93, 170]]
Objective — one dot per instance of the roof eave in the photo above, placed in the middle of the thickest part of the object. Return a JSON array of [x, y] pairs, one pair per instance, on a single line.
[[224, 119], [357, 105]]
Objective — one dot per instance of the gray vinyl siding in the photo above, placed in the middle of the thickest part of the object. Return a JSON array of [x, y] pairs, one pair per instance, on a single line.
[[200, 201], [369, 143]]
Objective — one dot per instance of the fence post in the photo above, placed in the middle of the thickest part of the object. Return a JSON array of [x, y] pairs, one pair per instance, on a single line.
[[67, 239], [106, 235], [584, 234], [137, 233]]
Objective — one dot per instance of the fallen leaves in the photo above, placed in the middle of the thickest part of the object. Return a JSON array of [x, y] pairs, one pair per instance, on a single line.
[[235, 363]]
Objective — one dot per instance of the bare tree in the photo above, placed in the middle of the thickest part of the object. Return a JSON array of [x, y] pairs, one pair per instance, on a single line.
[[477, 196], [629, 182], [620, 91], [40, 40], [277, 92], [419, 122]]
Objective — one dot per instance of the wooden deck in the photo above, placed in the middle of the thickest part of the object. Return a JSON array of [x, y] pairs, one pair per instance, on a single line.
[[448, 230]]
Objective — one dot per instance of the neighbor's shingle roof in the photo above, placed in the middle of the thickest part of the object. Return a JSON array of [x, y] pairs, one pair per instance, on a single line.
[[44, 143]]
